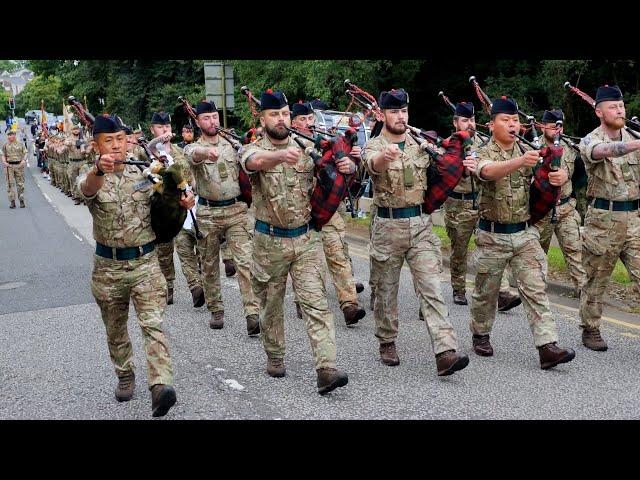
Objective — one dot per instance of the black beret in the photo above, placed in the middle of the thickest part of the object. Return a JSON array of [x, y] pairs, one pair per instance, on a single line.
[[107, 124], [318, 104], [206, 106], [606, 93], [464, 109], [271, 100], [187, 126], [301, 109], [393, 99], [160, 118], [127, 130], [552, 116], [504, 105]]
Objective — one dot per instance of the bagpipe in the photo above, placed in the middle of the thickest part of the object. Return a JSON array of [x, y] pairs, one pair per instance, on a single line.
[[482, 136], [234, 140], [543, 196], [167, 215]]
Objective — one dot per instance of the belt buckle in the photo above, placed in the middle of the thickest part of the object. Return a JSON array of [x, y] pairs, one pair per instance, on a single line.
[[140, 251], [493, 227], [271, 230], [391, 213], [113, 253]]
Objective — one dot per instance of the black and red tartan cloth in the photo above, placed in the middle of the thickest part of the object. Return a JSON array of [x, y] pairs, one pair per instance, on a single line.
[[331, 185], [447, 172], [542, 195], [245, 186]]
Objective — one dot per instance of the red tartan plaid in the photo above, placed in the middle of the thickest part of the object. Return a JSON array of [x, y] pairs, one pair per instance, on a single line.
[[331, 186], [543, 196], [449, 171]]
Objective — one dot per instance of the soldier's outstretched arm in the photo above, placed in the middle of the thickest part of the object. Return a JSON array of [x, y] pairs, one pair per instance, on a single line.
[[614, 149]]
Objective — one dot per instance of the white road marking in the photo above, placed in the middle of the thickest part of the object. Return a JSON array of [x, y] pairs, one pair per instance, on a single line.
[[77, 236], [231, 383]]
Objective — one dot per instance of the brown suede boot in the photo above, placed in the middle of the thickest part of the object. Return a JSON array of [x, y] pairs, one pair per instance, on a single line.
[[126, 385], [163, 397], [13, 204], [388, 354], [450, 362], [275, 367], [507, 301], [197, 295], [217, 320], [330, 379], [229, 268], [253, 324], [482, 346], [593, 340], [353, 313], [552, 355], [22, 205]]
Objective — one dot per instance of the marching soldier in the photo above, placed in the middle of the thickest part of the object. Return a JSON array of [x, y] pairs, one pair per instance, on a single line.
[[461, 221], [126, 264], [221, 210], [335, 247], [567, 228], [14, 159], [161, 125], [402, 231], [612, 225], [284, 243], [504, 238], [76, 157]]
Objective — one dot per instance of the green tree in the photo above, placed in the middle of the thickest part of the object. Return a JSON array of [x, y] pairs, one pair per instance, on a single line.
[[40, 88]]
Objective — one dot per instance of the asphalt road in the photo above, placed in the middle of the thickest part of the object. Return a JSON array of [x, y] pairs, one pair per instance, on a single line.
[[54, 362]]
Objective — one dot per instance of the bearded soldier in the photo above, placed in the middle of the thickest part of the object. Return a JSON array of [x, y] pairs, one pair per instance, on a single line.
[[221, 210], [612, 225], [284, 242], [567, 227], [126, 265], [402, 231]]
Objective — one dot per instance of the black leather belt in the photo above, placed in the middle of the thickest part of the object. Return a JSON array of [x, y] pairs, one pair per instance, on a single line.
[[127, 253], [463, 196], [218, 203], [14, 163], [626, 206], [564, 200]]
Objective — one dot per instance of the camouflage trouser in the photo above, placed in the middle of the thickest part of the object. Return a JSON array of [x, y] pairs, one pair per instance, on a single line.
[[113, 283], [522, 251], [567, 231], [186, 247], [581, 202], [64, 174], [225, 251], [52, 171], [461, 222], [15, 179], [273, 259], [73, 169], [372, 278], [607, 236], [232, 222], [165, 258], [393, 241]]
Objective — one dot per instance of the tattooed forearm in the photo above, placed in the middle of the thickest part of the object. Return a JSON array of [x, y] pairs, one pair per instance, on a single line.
[[613, 149]]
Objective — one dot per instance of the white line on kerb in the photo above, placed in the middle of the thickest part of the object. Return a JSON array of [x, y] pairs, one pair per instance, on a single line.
[[47, 197], [79, 238]]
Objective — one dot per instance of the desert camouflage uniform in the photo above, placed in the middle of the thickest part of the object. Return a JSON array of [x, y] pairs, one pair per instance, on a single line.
[[13, 153]]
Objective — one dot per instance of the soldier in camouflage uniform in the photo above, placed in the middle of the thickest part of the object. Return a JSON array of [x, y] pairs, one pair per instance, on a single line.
[[64, 166], [567, 227], [76, 158], [126, 265], [14, 159], [186, 242], [504, 238], [335, 247], [161, 125], [612, 224], [215, 167], [461, 221], [284, 243], [401, 230]]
